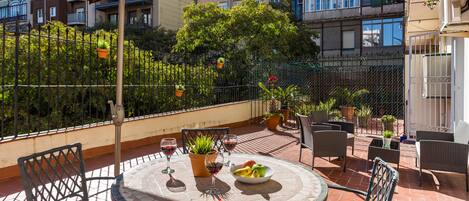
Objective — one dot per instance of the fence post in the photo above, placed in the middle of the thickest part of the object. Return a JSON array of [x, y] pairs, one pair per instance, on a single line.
[[15, 95]]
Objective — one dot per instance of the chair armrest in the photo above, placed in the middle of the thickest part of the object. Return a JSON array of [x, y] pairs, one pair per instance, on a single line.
[[434, 135], [99, 178], [345, 126], [443, 155], [333, 126], [320, 127], [343, 188]]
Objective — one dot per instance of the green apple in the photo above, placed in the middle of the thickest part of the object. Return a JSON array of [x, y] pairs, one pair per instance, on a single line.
[[259, 169]]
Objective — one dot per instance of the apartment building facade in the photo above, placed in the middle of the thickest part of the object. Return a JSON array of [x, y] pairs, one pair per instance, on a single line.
[[355, 27], [151, 13], [12, 11]]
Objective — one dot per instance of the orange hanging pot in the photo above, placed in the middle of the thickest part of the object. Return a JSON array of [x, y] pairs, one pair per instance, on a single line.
[[220, 63], [102, 53], [179, 93]]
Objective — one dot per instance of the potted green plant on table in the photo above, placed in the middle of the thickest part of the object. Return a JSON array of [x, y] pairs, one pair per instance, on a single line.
[[363, 115], [103, 49], [388, 122], [387, 137], [288, 98], [179, 90], [273, 117], [200, 148], [348, 97]]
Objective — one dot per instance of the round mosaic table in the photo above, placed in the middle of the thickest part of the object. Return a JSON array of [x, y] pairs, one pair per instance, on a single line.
[[289, 182]]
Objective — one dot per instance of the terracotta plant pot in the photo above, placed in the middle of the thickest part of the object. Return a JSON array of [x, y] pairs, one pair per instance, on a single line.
[[179, 93], [286, 115], [198, 163], [347, 112], [272, 122], [102, 53], [220, 65], [388, 126], [363, 122]]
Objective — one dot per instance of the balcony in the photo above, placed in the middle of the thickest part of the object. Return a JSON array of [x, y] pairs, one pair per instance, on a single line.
[[76, 19], [349, 13], [13, 12], [358, 12], [113, 4]]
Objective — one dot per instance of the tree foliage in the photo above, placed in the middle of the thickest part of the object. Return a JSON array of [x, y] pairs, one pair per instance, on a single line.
[[248, 30]]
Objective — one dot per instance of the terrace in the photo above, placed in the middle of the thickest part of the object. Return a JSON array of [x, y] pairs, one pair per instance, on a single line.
[[55, 94]]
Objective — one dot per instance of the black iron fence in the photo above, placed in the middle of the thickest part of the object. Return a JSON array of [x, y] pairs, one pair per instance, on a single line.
[[52, 79]]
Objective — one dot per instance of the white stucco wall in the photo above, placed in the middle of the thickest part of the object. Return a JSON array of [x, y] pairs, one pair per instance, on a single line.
[[461, 79], [131, 130]]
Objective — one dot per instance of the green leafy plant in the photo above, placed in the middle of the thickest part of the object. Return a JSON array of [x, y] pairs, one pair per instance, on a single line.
[[221, 60], [347, 96], [335, 115], [103, 45], [326, 106], [388, 119], [305, 109], [431, 3], [288, 97], [388, 134], [364, 111], [180, 87], [202, 144]]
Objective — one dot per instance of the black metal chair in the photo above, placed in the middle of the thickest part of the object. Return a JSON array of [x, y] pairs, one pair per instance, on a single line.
[[216, 133], [382, 184], [55, 174]]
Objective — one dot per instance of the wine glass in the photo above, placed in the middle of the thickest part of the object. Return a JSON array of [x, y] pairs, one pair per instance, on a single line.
[[213, 163], [168, 146], [229, 142]]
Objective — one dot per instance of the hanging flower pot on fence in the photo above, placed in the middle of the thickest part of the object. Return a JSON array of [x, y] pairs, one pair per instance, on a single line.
[[103, 49], [179, 90], [220, 63]]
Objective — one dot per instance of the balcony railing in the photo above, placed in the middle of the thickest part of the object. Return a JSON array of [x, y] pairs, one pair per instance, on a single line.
[[76, 18], [114, 3], [13, 12]]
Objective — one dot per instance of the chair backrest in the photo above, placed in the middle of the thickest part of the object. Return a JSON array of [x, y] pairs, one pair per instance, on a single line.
[[55, 174], [383, 181], [305, 130], [319, 117], [329, 142], [216, 133]]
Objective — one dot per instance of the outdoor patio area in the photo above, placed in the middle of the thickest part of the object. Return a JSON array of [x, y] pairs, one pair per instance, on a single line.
[[284, 144]]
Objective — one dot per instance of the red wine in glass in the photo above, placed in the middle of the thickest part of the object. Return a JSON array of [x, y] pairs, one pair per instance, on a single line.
[[168, 150], [214, 167], [230, 144]]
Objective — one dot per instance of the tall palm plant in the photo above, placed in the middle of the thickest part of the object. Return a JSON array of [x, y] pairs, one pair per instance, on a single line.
[[348, 96]]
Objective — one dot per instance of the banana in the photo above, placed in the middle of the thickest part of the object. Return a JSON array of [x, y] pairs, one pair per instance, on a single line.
[[243, 171]]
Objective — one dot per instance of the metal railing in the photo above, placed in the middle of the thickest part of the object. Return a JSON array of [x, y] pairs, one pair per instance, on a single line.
[[76, 18]]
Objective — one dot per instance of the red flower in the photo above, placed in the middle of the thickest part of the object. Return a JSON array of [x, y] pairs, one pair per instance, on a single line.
[[273, 78]]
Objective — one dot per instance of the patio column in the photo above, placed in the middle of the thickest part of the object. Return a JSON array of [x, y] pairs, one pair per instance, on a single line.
[[460, 85]]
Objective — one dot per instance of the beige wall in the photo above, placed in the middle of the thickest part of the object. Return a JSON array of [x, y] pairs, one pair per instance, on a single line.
[[169, 13], [421, 19], [131, 130]]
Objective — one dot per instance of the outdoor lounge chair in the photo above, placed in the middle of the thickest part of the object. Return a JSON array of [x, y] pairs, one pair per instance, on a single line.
[[382, 183], [322, 140], [55, 174], [440, 151], [216, 133], [321, 118]]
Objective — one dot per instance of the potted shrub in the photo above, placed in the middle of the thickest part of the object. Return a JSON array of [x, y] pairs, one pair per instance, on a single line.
[[179, 90], [387, 137], [200, 148], [273, 117], [103, 49], [220, 63], [288, 98], [348, 97], [388, 122], [363, 115]]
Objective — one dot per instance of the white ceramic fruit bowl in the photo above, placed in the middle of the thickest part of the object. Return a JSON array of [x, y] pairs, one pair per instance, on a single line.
[[248, 180]]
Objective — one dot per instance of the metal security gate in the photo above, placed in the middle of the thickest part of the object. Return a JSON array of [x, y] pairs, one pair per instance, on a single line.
[[428, 84]]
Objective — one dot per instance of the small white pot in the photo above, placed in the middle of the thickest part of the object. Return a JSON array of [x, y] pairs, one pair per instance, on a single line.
[[387, 143]]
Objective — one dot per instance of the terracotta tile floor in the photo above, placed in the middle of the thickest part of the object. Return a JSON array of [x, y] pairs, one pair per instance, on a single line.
[[284, 144]]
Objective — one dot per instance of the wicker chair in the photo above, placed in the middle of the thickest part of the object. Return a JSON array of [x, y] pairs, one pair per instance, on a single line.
[[382, 184], [322, 140], [216, 133], [322, 118], [438, 151], [55, 174]]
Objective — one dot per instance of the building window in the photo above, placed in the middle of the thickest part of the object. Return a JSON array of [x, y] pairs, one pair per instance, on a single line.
[[382, 32], [132, 17], [146, 15], [52, 12], [318, 5], [40, 16], [348, 39], [223, 5], [112, 18]]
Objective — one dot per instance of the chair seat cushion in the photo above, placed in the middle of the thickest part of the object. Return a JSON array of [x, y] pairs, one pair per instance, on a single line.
[[417, 148], [350, 135], [461, 133]]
